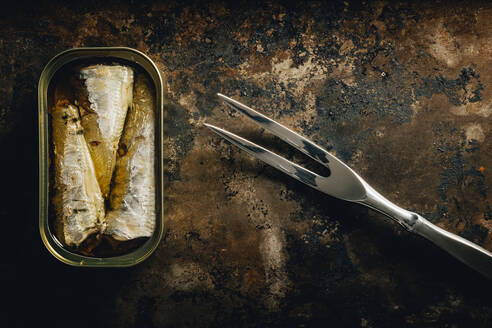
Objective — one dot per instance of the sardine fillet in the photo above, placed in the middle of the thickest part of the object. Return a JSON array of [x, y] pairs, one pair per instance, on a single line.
[[108, 94], [78, 201], [132, 199]]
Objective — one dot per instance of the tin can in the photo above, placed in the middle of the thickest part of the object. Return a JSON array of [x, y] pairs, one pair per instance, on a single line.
[[71, 57]]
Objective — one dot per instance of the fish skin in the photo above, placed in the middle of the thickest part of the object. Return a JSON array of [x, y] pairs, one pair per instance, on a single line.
[[132, 199], [77, 199], [106, 95]]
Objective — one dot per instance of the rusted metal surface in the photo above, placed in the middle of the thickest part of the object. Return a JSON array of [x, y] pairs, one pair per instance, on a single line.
[[246, 245]]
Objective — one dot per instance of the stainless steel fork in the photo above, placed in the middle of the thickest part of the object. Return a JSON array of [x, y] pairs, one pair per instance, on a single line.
[[342, 182]]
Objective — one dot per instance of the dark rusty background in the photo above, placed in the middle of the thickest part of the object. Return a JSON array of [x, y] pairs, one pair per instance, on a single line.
[[400, 91]]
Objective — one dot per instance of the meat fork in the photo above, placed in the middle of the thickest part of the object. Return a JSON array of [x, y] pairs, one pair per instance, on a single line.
[[343, 183]]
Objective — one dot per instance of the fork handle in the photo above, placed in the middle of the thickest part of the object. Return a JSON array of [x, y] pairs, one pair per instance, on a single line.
[[464, 250]]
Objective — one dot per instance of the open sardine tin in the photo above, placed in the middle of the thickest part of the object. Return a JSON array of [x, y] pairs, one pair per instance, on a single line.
[[58, 65]]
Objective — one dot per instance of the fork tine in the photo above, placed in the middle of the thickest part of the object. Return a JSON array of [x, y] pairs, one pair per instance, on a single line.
[[306, 146], [278, 162]]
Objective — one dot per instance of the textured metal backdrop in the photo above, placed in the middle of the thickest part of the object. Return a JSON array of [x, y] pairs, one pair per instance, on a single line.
[[400, 91]]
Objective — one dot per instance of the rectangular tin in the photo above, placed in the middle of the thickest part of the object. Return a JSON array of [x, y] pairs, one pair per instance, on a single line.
[[51, 242]]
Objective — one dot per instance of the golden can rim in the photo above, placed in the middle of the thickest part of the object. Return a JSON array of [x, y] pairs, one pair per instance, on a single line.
[[50, 241]]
